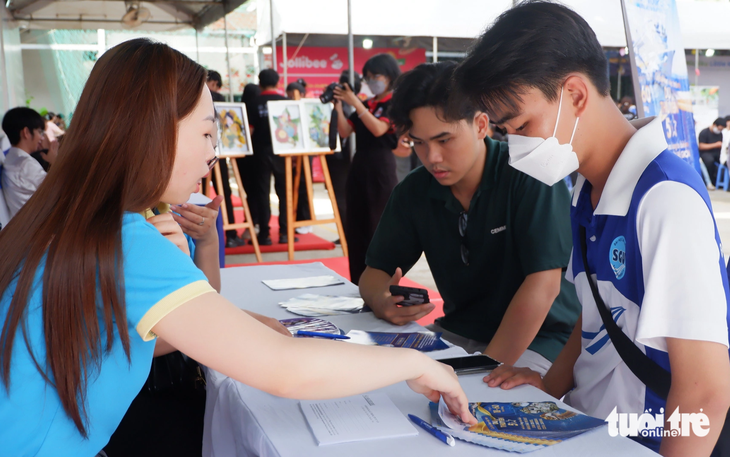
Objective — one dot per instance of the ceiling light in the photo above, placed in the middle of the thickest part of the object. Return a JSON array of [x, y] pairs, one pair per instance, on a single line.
[[709, 53], [367, 43]]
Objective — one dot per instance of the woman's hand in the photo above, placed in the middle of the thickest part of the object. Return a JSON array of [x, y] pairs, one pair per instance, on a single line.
[[198, 221], [507, 377], [270, 322], [348, 96], [441, 381], [171, 230]]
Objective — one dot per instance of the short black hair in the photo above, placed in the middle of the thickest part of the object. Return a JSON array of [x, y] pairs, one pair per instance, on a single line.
[[268, 78], [720, 121], [535, 44], [382, 64], [296, 86], [17, 119], [345, 78], [429, 84], [215, 76]]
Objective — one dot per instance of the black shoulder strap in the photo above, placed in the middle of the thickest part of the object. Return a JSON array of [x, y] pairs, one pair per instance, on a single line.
[[648, 371]]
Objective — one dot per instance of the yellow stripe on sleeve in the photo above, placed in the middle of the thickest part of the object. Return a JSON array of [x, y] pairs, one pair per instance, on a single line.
[[163, 307]]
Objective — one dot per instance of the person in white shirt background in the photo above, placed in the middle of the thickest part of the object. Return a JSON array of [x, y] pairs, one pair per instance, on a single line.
[[22, 174]]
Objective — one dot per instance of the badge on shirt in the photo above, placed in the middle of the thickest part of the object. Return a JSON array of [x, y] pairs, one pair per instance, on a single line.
[[378, 112], [617, 257]]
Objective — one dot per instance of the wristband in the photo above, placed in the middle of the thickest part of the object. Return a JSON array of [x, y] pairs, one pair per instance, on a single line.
[[363, 113]]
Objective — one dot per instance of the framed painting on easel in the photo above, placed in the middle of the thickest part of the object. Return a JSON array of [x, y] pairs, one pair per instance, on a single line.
[[235, 137], [287, 131]]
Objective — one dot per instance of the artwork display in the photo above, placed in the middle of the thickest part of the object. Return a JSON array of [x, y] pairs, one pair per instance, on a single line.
[[287, 132], [300, 126], [317, 125], [234, 138]]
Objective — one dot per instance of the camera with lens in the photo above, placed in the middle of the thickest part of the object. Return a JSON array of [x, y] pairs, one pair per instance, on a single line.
[[329, 93]]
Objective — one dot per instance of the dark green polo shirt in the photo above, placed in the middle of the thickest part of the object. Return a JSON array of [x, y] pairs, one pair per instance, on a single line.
[[516, 226]]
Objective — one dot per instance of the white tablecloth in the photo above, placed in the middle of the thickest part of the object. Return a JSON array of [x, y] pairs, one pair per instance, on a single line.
[[243, 421]]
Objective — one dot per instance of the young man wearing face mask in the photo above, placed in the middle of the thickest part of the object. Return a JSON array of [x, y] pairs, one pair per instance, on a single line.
[[496, 240], [710, 143], [641, 217]]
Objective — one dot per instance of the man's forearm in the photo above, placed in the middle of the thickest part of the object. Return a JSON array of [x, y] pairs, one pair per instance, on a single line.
[[372, 282], [558, 381], [524, 316]]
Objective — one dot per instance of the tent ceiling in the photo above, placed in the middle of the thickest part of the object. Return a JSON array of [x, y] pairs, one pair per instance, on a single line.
[[166, 15], [704, 24]]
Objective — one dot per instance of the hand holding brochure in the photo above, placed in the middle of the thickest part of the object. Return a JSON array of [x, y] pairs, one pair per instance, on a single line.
[[517, 427], [357, 418]]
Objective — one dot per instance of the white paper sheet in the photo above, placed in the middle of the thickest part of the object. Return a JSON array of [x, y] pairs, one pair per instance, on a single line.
[[357, 418], [314, 305], [302, 283]]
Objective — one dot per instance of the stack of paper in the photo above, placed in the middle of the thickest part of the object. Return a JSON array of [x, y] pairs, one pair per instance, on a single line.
[[423, 341], [358, 418], [323, 305], [310, 324], [302, 283]]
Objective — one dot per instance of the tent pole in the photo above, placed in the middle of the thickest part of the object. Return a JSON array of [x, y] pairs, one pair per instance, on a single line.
[[273, 37], [228, 54], [197, 47], [5, 105], [697, 67], [351, 64], [435, 49], [284, 59]]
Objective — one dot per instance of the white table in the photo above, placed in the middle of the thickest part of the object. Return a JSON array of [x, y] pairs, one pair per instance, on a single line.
[[243, 421]]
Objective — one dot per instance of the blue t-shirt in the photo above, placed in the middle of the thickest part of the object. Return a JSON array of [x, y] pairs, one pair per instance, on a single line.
[[655, 253], [158, 278]]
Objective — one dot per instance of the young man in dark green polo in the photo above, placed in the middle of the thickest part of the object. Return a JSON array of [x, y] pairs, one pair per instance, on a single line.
[[496, 240]]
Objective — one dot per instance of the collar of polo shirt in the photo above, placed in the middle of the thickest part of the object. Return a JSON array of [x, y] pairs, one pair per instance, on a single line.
[[646, 144]]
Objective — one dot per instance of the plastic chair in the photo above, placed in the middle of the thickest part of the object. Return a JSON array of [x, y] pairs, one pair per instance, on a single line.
[[723, 177]]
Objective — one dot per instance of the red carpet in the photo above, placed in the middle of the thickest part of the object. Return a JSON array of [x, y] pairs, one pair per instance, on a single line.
[[340, 265], [307, 242]]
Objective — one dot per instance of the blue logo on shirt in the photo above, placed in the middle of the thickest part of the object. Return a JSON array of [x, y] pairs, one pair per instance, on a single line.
[[617, 257], [595, 347]]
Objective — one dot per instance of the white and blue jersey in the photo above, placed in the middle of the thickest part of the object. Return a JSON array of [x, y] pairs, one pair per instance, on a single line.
[[656, 255]]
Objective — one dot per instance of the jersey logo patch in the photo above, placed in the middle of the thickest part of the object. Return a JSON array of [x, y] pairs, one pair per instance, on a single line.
[[617, 257], [378, 112]]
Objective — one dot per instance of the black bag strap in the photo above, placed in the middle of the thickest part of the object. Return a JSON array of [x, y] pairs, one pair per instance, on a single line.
[[648, 371]]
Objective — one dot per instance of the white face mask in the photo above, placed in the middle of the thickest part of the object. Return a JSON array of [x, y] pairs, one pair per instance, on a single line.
[[716, 130], [377, 87], [544, 159]]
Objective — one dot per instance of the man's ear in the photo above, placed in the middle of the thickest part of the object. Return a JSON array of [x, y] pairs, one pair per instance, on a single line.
[[26, 134], [481, 122], [577, 87]]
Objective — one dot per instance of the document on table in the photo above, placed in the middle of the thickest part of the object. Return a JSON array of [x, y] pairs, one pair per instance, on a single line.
[[314, 305], [357, 418], [302, 283]]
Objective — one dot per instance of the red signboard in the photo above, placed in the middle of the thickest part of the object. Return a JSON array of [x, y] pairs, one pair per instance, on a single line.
[[322, 66]]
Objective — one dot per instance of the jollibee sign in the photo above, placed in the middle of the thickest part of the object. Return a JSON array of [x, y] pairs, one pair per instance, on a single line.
[[321, 66]]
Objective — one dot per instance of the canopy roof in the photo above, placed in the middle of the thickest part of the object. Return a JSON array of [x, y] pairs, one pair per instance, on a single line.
[[166, 15], [704, 24]]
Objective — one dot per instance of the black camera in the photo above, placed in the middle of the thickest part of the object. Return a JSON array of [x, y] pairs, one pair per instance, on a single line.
[[329, 93]]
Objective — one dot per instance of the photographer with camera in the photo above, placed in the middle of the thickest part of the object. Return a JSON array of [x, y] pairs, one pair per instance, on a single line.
[[372, 174]]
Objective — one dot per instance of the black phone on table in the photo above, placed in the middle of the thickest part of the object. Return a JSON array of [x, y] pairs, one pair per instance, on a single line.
[[411, 295], [471, 364]]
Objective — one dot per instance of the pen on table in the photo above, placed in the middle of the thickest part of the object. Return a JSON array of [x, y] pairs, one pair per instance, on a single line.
[[432, 430], [332, 336]]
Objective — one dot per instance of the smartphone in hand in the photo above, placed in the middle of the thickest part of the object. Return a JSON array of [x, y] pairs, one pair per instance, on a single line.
[[411, 295]]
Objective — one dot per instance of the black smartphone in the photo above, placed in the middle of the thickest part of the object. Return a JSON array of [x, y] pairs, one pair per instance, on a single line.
[[411, 295], [471, 364]]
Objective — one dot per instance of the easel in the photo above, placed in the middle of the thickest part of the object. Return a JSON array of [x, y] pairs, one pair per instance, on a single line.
[[292, 197], [248, 222]]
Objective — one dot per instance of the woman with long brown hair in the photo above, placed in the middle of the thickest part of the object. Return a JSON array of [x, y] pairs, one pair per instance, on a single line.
[[87, 285]]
